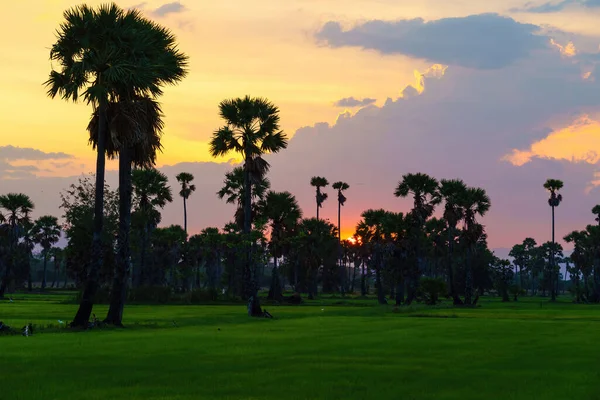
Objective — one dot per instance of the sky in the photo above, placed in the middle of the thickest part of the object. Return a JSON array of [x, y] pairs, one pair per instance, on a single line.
[[502, 94]]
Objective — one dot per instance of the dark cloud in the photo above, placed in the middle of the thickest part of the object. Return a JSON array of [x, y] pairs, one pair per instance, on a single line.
[[484, 41], [25, 153], [551, 7], [169, 8], [352, 102]]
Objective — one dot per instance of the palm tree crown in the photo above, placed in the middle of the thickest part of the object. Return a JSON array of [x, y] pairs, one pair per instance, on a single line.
[[251, 130], [319, 182], [17, 208], [95, 49], [553, 186], [185, 179], [47, 231], [424, 190]]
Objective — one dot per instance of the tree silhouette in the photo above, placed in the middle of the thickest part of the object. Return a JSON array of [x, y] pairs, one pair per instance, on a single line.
[[187, 188], [553, 186], [251, 130], [108, 54], [46, 234], [319, 182]]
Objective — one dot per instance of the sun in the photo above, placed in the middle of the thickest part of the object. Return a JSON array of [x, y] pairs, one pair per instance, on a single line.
[[352, 240]]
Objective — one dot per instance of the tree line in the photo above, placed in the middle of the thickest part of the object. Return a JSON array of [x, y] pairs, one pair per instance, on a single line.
[[119, 62]]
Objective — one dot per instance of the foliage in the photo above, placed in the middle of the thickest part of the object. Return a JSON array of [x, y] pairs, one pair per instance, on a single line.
[[77, 203]]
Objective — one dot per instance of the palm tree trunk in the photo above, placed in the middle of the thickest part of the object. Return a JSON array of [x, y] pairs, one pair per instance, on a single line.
[[318, 196], [118, 293], [250, 284], [184, 215], [469, 277], [552, 264], [91, 286], [45, 266]]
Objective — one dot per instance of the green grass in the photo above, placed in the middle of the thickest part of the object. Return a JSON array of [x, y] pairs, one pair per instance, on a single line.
[[526, 350]]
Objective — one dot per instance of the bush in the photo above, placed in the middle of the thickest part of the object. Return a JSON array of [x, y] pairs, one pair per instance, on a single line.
[[431, 289]]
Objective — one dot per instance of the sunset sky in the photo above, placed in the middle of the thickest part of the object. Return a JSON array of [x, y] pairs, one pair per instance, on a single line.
[[501, 93]]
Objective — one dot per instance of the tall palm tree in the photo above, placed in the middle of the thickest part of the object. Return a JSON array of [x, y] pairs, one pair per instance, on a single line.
[[151, 190], [47, 233], [17, 207], [475, 203], [251, 130], [319, 182], [187, 188], [283, 212], [135, 128], [425, 192], [340, 187], [553, 186], [451, 191], [109, 54]]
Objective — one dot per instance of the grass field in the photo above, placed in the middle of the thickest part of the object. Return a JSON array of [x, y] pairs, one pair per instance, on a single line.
[[526, 350]]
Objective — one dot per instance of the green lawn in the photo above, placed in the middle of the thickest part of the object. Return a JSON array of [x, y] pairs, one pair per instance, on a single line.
[[525, 350]]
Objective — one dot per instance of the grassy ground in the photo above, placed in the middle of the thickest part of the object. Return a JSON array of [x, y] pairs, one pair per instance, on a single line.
[[525, 350]]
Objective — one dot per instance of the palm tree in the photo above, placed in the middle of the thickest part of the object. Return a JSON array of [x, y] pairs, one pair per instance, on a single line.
[[151, 190], [185, 179], [451, 191], [233, 192], [135, 128], [553, 186], [475, 202], [425, 192], [17, 207], [251, 130], [340, 187], [47, 234], [283, 212], [371, 231], [108, 54], [319, 182]]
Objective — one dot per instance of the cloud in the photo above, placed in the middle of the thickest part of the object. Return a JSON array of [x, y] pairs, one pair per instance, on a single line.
[[551, 7], [578, 142], [484, 41], [169, 8], [567, 50], [12, 158], [25, 153], [352, 102], [174, 7]]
